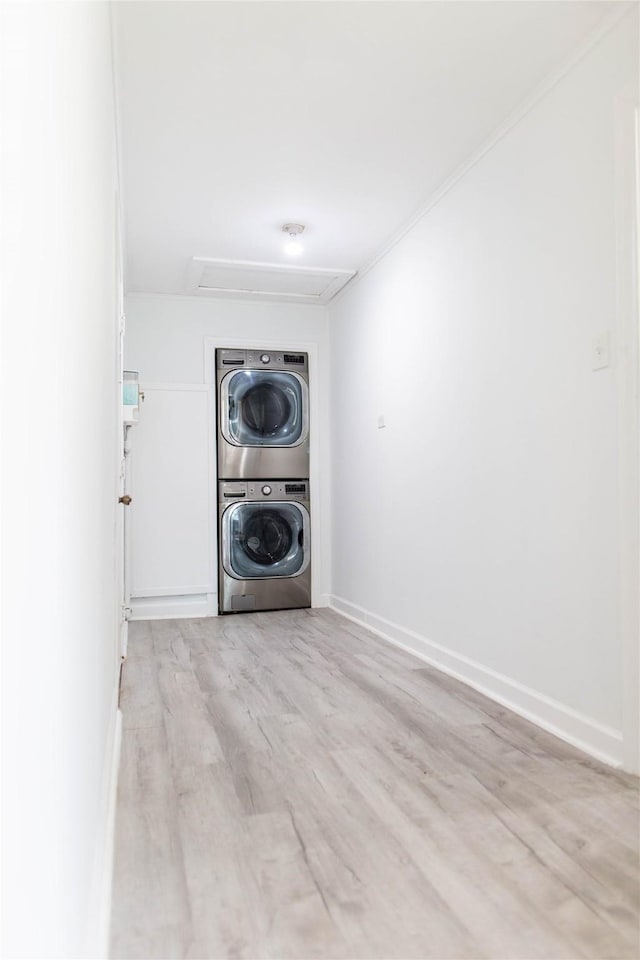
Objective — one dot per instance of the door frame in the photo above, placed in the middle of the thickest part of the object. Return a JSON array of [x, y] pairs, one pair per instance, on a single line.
[[122, 430], [627, 355]]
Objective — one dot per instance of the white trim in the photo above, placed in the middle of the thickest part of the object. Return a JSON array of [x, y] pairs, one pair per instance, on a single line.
[[212, 475], [101, 885], [187, 298], [627, 340], [115, 49], [174, 607], [318, 533], [607, 24], [594, 738], [124, 631]]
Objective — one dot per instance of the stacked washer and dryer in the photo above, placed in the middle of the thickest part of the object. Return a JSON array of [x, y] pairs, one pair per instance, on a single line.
[[264, 525]]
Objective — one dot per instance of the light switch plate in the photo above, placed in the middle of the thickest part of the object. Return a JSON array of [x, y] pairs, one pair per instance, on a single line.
[[381, 422], [600, 351]]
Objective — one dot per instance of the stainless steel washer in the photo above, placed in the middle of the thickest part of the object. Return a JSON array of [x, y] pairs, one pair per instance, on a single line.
[[264, 537], [263, 414]]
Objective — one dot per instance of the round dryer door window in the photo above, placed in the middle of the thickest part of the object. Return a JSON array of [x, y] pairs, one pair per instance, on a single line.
[[265, 540], [263, 408]]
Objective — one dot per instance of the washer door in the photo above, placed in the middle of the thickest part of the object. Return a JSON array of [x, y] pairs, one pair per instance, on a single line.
[[264, 408], [264, 540]]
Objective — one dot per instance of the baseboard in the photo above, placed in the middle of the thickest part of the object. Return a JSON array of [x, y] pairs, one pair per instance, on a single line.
[[100, 905], [324, 600], [599, 741], [174, 608]]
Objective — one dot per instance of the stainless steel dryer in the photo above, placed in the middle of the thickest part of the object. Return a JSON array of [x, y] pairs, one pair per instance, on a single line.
[[264, 544], [263, 414]]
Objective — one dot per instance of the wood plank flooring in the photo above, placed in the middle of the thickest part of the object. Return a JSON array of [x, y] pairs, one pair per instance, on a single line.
[[294, 787]]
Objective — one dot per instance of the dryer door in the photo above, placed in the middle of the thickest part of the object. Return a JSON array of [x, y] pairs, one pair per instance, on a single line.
[[264, 540], [264, 408]]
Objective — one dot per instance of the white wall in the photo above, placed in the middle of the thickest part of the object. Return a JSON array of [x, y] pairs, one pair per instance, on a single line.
[[59, 386], [173, 515], [480, 526]]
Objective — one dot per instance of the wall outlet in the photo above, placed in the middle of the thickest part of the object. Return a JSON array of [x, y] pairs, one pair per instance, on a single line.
[[600, 351]]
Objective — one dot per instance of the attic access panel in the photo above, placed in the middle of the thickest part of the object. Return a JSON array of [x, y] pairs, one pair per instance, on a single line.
[[264, 281]]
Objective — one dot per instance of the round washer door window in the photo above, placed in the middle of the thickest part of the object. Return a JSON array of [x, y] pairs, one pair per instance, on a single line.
[[265, 540], [264, 408]]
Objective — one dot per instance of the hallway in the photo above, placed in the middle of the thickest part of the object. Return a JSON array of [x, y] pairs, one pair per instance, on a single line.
[[461, 180], [293, 786]]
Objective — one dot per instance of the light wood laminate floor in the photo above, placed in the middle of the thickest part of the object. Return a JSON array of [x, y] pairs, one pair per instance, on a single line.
[[292, 786]]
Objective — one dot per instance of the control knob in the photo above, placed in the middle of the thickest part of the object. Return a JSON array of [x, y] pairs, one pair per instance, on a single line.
[[266, 489]]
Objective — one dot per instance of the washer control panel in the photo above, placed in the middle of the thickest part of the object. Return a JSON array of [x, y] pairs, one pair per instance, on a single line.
[[229, 490], [256, 359]]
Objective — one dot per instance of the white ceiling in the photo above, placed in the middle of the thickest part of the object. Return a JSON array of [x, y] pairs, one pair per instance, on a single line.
[[238, 117]]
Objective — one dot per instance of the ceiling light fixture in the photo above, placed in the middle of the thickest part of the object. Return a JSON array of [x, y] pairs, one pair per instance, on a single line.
[[292, 244]]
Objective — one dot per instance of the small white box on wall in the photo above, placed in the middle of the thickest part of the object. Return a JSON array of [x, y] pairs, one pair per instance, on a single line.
[[130, 396]]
